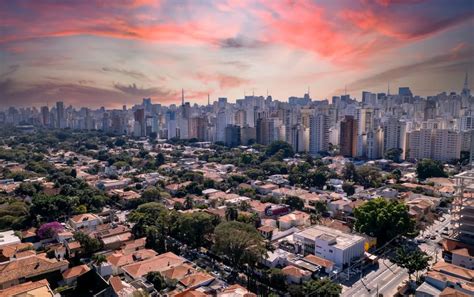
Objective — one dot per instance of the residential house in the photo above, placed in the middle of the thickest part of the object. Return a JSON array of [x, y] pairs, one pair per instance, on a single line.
[[71, 275], [85, 221], [295, 275], [30, 268], [38, 288], [294, 219], [157, 263]]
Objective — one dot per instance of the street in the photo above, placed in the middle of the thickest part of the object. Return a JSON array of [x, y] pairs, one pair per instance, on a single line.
[[388, 276]]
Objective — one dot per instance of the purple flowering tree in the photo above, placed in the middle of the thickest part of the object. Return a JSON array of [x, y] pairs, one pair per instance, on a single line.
[[49, 230]]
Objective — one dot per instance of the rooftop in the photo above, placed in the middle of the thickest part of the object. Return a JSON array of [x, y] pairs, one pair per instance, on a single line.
[[343, 240]]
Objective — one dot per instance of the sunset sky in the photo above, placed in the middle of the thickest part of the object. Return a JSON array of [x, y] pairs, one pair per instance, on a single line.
[[108, 53]]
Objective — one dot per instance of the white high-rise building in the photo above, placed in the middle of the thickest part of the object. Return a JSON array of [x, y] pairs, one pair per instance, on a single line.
[[437, 144], [394, 135], [318, 133], [221, 123], [446, 145], [419, 144]]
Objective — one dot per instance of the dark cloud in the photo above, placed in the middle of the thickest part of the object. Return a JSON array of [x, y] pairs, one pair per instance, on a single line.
[[130, 73], [459, 60], [13, 94], [240, 42], [11, 69], [143, 92]]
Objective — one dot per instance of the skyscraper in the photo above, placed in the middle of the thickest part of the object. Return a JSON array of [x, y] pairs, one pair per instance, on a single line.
[[348, 136], [232, 135], [318, 133], [45, 116], [61, 120]]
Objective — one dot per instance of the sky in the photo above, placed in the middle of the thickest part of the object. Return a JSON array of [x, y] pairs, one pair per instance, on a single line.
[[109, 53]]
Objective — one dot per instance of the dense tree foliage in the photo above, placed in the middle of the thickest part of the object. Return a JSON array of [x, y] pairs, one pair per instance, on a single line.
[[413, 260], [240, 243], [282, 147], [322, 287], [383, 220], [393, 154], [294, 202], [427, 168], [13, 214], [49, 230], [89, 244]]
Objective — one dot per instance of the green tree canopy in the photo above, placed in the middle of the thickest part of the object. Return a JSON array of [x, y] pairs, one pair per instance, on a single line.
[[322, 287], [280, 146], [89, 244], [427, 168], [393, 154], [383, 220], [413, 260], [294, 202], [239, 242]]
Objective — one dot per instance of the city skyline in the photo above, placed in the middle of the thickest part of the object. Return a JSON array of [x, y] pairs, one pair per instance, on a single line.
[[109, 54]]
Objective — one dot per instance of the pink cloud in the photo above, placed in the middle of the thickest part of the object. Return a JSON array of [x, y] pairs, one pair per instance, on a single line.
[[224, 81]]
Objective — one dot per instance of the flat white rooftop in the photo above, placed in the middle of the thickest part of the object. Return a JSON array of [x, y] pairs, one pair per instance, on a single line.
[[343, 240]]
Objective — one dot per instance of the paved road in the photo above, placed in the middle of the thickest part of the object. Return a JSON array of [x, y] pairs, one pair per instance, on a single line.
[[387, 278]]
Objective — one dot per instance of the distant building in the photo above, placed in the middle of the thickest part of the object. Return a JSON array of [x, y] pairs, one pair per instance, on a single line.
[[232, 135]]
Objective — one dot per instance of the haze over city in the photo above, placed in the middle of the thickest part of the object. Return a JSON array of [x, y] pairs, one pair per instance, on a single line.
[[110, 53]]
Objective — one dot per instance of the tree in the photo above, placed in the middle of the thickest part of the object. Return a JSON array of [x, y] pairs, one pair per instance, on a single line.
[[159, 160], [277, 279], [393, 154], [49, 230], [194, 229], [52, 207], [156, 279], [294, 202], [26, 189], [151, 194], [280, 146], [239, 242], [413, 260], [368, 176], [316, 179], [188, 202], [150, 214], [231, 213], [348, 188], [427, 168], [383, 220], [350, 172], [89, 244], [397, 174], [322, 287]]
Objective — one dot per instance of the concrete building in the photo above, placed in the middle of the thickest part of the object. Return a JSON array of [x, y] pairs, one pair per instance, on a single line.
[[330, 244], [232, 135], [437, 144], [348, 136], [318, 133]]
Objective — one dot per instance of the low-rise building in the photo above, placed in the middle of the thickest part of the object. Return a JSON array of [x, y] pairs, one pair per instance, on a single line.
[[330, 244], [294, 219], [8, 237], [30, 268], [85, 221], [38, 288]]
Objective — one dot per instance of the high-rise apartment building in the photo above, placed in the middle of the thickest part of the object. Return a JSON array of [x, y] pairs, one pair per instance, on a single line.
[[348, 136], [318, 133]]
